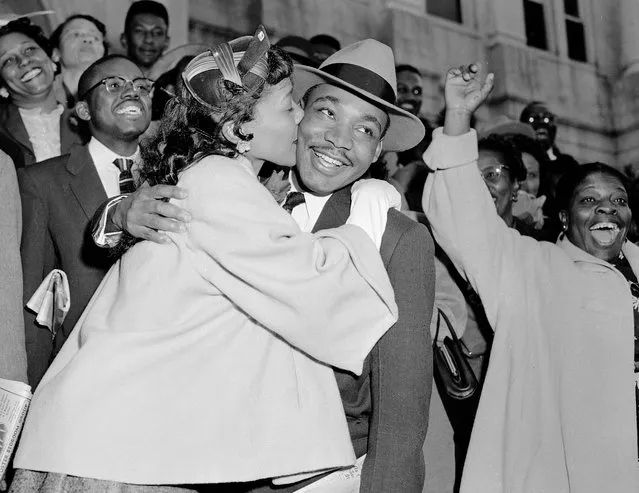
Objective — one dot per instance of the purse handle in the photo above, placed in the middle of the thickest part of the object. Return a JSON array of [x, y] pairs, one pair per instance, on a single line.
[[440, 315]]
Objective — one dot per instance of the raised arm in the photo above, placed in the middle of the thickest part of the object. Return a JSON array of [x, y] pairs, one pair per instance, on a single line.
[[457, 202], [327, 294]]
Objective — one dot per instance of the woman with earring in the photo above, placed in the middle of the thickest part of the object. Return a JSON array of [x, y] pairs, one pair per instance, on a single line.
[[559, 405], [34, 126], [198, 361]]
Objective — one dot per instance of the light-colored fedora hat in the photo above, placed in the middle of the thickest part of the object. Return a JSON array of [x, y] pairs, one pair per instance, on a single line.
[[367, 69]]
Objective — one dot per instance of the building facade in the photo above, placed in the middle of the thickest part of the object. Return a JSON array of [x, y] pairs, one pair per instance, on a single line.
[[579, 56]]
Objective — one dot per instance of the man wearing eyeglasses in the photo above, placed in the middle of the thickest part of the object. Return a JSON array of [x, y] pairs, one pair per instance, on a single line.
[[60, 195]]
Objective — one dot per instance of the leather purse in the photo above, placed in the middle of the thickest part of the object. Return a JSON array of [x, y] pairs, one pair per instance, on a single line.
[[452, 372]]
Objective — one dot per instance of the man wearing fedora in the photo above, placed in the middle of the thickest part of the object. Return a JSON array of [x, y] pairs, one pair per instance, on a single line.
[[349, 117]]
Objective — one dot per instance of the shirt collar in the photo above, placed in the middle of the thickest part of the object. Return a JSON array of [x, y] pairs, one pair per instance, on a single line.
[[314, 203], [101, 154]]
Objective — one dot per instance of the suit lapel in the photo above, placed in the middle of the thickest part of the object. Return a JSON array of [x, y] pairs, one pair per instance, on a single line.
[[84, 180], [335, 211]]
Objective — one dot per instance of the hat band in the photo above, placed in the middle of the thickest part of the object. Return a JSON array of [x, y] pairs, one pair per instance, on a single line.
[[361, 77]]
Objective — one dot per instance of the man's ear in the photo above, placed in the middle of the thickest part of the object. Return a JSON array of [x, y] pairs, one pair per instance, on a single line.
[[82, 110], [55, 55], [378, 151], [124, 42], [228, 130], [167, 41]]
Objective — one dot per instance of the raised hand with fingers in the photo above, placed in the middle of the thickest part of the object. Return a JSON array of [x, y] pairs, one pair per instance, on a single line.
[[464, 93], [464, 89]]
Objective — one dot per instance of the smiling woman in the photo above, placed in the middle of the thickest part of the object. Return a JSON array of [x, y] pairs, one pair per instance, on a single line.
[[558, 409], [33, 124]]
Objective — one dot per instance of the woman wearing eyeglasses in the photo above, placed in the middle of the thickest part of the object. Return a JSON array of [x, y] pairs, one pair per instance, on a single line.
[[34, 126]]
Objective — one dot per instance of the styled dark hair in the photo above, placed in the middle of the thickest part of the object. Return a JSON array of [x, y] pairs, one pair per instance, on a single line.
[[24, 26], [145, 7], [57, 34], [189, 131], [574, 177], [509, 155], [86, 79], [326, 39], [407, 68]]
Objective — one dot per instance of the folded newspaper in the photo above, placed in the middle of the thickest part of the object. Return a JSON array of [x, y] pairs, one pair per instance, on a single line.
[[14, 402]]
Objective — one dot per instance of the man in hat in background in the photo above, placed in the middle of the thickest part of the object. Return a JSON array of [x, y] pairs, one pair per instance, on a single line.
[[350, 116]]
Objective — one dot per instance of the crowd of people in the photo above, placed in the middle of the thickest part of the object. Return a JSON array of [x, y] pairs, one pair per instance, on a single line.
[[259, 280]]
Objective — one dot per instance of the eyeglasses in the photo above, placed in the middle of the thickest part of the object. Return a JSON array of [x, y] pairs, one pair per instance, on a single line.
[[116, 84], [493, 175], [546, 118]]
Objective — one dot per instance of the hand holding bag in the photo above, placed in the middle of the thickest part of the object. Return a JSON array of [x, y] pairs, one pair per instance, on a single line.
[[452, 372]]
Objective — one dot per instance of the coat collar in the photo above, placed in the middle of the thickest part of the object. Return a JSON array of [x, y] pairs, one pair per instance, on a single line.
[[630, 250], [336, 210]]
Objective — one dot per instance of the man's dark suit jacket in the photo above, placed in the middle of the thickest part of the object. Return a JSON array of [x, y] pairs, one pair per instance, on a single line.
[[14, 139], [387, 406], [59, 197]]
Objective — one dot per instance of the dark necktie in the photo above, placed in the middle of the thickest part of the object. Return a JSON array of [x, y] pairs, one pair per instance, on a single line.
[[127, 185], [293, 199]]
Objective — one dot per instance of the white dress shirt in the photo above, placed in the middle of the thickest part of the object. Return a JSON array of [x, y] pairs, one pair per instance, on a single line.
[[308, 212], [108, 172]]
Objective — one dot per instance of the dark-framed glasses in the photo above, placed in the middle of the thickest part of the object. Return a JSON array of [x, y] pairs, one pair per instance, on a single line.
[[494, 173], [116, 84]]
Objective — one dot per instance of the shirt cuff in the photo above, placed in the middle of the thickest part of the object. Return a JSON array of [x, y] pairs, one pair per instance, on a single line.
[[449, 152], [105, 234]]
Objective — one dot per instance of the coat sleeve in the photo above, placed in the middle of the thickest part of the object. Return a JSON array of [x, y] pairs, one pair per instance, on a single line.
[[466, 225], [38, 258], [327, 293], [401, 373], [13, 357]]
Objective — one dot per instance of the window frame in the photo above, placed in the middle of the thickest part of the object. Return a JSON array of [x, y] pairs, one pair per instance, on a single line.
[[556, 33]]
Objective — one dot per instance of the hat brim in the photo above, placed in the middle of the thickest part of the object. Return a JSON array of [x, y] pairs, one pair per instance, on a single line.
[[405, 130]]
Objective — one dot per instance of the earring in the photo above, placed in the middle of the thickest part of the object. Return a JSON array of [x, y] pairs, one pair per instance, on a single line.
[[4, 93], [243, 146]]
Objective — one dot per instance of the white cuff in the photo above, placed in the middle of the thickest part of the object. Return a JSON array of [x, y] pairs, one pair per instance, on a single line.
[[446, 151], [100, 237]]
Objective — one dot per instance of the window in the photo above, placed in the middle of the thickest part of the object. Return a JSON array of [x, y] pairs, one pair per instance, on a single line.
[[575, 35], [448, 9], [535, 23]]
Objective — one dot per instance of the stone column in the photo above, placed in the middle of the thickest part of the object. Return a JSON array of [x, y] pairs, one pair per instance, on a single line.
[[505, 22], [629, 24]]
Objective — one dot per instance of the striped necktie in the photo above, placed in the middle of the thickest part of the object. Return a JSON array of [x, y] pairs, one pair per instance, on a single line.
[[127, 185], [293, 199]]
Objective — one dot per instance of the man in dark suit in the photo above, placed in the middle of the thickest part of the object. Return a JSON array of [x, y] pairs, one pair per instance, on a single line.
[[348, 118], [59, 196]]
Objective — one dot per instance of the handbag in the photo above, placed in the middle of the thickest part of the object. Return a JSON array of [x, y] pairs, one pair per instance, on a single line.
[[452, 372]]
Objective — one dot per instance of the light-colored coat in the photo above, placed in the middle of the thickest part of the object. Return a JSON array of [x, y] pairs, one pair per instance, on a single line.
[[182, 368], [13, 356], [557, 412]]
